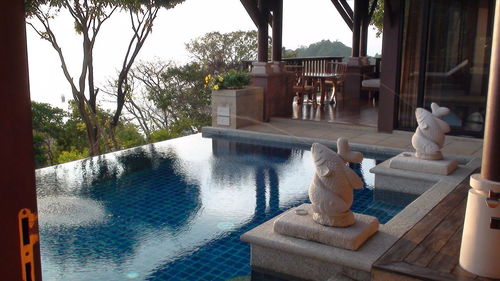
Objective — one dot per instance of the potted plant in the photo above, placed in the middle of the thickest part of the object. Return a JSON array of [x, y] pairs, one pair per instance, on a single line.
[[234, 104]]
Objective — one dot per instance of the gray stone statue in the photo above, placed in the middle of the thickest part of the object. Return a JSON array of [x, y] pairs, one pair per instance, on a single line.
[[430, 133], [331, 190]]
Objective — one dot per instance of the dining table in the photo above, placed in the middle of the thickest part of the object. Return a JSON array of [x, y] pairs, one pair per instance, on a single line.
[[322, 78]]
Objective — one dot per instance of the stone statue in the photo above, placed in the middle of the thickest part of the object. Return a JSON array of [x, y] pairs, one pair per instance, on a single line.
[[330, 191], [429, 136]]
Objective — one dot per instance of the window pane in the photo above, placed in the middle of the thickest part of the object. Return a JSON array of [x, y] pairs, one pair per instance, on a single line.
[[458, 53]]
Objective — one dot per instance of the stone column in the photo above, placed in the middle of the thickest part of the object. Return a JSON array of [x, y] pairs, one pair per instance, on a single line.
[[275, 82]]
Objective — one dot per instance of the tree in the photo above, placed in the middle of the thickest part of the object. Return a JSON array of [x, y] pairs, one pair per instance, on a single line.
[[47, 129], [89, 16], [169, 98], [288, 54], [324, 48], [221, 52], [378, 17]]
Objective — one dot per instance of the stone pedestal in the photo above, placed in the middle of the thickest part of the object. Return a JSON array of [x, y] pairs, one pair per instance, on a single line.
[[408, 161], [273, 79], [295, 224], [353, 78], [237, 108], [398, 180], [480, 249]]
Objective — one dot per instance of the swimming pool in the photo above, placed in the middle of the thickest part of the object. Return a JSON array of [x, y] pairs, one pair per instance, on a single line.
[[173, 210]]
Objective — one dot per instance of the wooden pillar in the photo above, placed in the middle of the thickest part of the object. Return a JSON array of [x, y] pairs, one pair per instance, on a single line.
[[490, 168], [363, 44], [17, 176], [277, 30], [391, 60], [356, 29], [263, 33]]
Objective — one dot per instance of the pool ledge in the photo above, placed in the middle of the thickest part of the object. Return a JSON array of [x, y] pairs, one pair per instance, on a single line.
[[308, 141], [303, 259], [313, 261]]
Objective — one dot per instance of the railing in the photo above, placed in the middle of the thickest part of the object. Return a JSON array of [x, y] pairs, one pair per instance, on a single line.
[[311, 64], [314, 65]]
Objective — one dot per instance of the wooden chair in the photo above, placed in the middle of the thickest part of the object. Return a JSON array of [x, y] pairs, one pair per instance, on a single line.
[[371, 85], [338, 69], [300, 85]]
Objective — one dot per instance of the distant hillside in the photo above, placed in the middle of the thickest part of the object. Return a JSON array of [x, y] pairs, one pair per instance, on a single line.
[[325, 48]]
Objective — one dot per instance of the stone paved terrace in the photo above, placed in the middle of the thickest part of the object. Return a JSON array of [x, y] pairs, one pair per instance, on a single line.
[[362, 135]]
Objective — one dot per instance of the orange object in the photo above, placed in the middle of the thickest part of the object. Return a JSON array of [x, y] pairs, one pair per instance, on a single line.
[[28, 236]]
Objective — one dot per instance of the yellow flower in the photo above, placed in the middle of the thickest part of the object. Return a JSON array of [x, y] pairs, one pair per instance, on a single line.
[[216, 87], [221, 79]]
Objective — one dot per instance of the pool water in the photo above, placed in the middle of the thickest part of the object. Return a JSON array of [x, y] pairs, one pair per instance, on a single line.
[[173, 210]]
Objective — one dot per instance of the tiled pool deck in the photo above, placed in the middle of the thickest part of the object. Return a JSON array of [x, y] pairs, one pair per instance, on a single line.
[[362, 135]]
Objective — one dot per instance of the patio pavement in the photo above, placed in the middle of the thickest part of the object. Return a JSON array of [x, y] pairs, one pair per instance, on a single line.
[[362, 135]]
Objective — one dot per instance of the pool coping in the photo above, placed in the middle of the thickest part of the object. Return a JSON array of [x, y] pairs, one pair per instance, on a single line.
[[209, 132], [263, 236]]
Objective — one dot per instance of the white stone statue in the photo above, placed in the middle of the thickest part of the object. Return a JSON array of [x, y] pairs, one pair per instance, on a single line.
[[331, 190], [429, 136]]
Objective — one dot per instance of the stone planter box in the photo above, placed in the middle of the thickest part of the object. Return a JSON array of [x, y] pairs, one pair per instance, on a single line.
[[237, 108]]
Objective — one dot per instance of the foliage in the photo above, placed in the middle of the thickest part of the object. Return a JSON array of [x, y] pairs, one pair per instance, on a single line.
[[59, 136], [377, 19], [168, 97], [47, 129], [231, 80], [72, 155], [128, 136], [162, 135], [325, 48], [47, 119], [287, 53], [221, 52]]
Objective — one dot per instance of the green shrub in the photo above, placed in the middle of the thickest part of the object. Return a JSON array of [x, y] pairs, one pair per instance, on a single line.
[[72, 155], [230, 80]]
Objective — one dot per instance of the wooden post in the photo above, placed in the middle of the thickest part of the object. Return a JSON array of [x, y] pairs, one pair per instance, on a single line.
[[17, 176], [277, 30], [356, 30], [263, 33], [363, 44], [391, 59], [490, 168]]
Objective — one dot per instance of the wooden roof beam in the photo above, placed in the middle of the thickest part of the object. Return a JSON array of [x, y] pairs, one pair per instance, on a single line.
[[253, 11], [347, 8], [344, 11]]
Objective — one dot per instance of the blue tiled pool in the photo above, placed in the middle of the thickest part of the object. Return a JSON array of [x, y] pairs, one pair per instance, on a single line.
[[174, 210]]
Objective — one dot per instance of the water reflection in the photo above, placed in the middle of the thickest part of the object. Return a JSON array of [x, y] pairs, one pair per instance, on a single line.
[[255, 158]]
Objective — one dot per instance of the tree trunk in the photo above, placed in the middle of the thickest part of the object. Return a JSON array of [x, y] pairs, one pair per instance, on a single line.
[[92, 132]]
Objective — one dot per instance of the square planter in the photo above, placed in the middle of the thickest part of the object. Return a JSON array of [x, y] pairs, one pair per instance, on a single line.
[[237, 108]]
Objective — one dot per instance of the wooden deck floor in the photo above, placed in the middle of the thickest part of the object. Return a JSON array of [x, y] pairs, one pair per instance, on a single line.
[[430, 250]]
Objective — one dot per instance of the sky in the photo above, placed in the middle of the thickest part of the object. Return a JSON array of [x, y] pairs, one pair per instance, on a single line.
[[302, 25]]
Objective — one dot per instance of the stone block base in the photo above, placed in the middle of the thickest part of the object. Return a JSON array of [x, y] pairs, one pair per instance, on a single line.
[[303, 226], [405, 181], [408, 161], [237, 108]]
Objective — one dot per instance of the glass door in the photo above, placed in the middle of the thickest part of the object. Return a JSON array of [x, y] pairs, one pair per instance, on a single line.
[[448, 56]]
